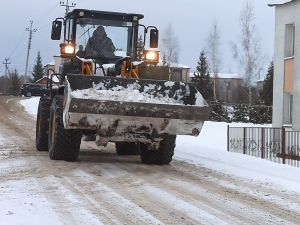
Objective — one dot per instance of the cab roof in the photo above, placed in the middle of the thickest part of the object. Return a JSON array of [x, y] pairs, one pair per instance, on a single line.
[[84, 13]]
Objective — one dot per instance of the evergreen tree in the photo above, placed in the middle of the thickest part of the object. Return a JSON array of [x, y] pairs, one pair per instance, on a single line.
[[38, 70], [260, 114], [218, 113], [254, 114], [201, 77], [15, 83], [267, 91], [241, 113]]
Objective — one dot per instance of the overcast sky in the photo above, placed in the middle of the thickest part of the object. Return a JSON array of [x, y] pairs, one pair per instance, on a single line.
[[191, 20]]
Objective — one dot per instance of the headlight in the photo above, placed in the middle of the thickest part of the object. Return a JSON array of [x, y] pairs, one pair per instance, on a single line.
[[67, 49], [151, 55]]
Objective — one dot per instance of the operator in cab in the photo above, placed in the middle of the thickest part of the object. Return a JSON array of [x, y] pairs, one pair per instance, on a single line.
[[99, 45]]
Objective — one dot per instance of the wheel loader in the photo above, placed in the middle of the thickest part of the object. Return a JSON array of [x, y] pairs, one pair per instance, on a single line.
[[111, 97]]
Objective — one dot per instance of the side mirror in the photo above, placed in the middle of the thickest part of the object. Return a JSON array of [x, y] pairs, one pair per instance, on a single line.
[[154, 38], [56, 30]]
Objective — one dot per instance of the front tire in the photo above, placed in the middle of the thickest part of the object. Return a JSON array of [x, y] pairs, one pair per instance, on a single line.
[[161, 156], [42, 124], [63, 144]]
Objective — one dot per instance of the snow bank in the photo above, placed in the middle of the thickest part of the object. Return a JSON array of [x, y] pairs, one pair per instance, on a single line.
[[210, 150], [31, 105]]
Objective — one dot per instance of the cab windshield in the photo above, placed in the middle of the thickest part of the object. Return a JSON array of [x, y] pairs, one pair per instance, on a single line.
[[97, 38]]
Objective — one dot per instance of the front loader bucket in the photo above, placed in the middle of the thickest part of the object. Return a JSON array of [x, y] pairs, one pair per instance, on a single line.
[[132, 108]]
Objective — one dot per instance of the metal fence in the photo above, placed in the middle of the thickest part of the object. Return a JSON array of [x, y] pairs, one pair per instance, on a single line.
[[275, 144]]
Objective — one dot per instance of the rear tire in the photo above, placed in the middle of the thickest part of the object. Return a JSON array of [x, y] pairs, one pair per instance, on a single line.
[[161, 156], [127, 148], [63, 144], [42, 124], [28, 94]]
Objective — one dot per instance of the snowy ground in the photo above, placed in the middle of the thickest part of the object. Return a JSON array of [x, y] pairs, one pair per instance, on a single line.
[[203, 185], [209, 150], [31, 105]]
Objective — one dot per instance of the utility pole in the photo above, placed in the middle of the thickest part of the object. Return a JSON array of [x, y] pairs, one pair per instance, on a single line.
[[6, 63], [31, 30], [67, 6]]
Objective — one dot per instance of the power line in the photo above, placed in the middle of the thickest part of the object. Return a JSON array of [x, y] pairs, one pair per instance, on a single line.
[[31, 30], [6, 63], [63, 4], [17, 45], [47, 15]]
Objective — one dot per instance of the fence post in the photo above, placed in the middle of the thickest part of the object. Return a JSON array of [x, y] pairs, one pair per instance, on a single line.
[[244, 142], [228, 138], [283, 144], [263, 143]]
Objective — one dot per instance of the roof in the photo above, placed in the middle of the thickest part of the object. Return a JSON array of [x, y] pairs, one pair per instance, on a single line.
[[260, 80], [54, 79], [223, 75], [103, 15], [280, 2], [228, 75], [49, 64], [175, 65]]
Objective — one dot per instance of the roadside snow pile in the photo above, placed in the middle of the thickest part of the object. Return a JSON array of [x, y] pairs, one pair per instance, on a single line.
[[210, 150], [31, 105], [132, 93]]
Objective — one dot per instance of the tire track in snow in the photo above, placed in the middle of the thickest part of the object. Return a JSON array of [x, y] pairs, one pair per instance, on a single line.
[[207, 173], [285, 204], [98, 206], [22, 202], [134, 180], [190, 210], [115, 177], [245, 213], [68, 203], [110, 196], [216, 206], [216, 183], [258, 208]]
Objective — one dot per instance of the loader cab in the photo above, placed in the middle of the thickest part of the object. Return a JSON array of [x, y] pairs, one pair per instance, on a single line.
[[121, 29]]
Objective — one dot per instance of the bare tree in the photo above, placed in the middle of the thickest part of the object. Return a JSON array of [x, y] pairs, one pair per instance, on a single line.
[[213, 51], [170, 48], [248, 50]]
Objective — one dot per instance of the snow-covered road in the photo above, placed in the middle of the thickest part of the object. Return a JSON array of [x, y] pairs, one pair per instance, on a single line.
[[200, 187]]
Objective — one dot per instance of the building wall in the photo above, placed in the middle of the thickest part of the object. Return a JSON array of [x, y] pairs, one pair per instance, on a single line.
[[286, 14], [48, 69], [229, 89], [57, 63], [180, 74]]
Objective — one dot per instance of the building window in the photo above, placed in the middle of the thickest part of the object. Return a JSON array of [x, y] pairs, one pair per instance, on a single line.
[[289, 42]]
